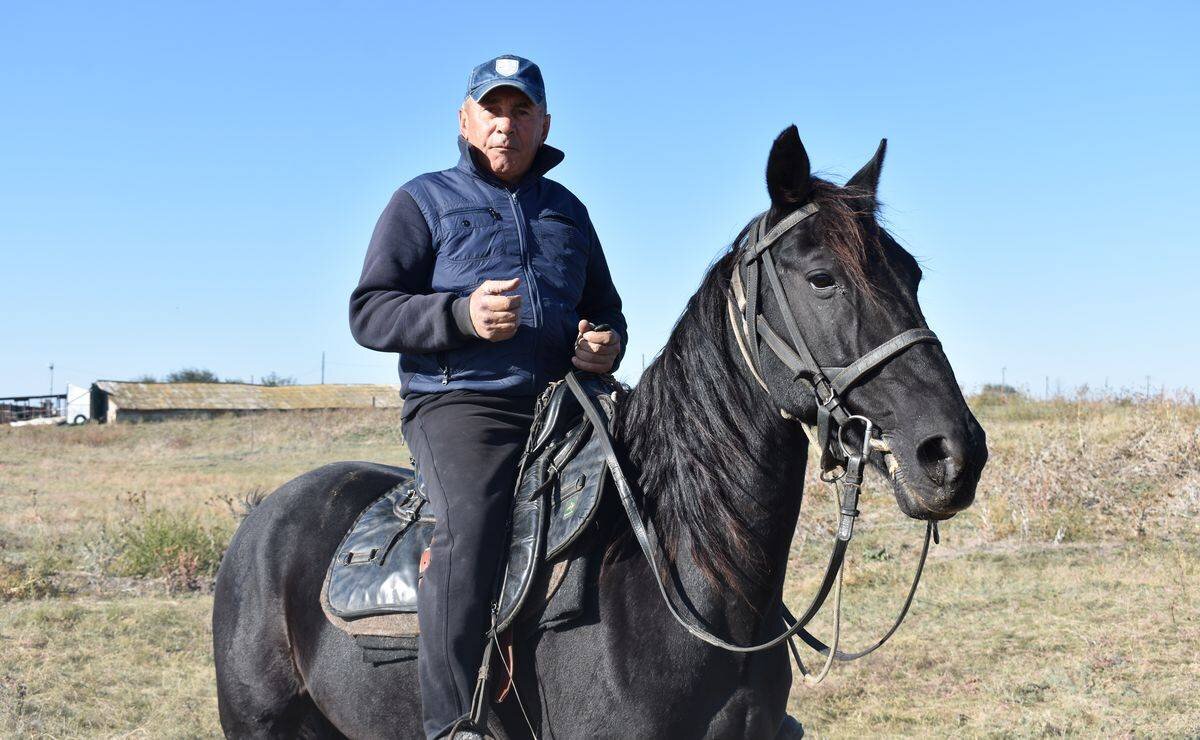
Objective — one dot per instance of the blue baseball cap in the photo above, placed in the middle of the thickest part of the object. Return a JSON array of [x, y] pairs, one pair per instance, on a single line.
[[507, 70]]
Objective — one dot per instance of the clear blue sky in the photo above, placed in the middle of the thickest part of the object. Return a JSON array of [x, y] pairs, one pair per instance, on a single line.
[[194, 184]]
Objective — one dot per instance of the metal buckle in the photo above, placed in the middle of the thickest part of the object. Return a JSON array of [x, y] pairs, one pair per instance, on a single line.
[[833, 475], [832, 400]]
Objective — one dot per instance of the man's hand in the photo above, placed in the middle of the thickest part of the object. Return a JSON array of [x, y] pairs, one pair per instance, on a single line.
[[494, 315], [596, 351]]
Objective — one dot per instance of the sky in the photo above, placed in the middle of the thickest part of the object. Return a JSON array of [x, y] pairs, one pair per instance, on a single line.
[[194, 184]]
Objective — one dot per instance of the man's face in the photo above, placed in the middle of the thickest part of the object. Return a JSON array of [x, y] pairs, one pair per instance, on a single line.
[[507, 128]]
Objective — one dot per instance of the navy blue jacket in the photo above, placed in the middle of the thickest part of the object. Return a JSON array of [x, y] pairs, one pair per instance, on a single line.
[[444, 233]]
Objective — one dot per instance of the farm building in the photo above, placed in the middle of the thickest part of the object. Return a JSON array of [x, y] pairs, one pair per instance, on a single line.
[[115, 400]]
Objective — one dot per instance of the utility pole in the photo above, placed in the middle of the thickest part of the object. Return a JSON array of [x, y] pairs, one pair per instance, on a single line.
[[52, 378], [1047, 387], [1147, 387], [322, 367]]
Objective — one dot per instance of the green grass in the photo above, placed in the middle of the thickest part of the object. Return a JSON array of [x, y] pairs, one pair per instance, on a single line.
[[1063, 602]]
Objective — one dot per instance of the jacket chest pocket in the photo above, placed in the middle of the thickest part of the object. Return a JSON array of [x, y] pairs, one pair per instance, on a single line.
[[471, 234], [562, 253], [555, 230]]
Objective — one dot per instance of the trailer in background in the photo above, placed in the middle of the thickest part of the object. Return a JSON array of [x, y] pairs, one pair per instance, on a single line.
[[79, 404]]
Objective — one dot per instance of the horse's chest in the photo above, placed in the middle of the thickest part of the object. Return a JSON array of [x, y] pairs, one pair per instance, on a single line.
[[642, 684]]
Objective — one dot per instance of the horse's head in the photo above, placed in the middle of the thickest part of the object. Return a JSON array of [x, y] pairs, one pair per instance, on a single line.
[[849, 289]]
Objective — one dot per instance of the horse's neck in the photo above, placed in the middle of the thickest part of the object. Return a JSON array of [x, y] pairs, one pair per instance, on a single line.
[[769, 504]]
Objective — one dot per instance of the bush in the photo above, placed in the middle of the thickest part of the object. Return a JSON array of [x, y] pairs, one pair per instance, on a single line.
[[274, 379], [27, 580], [1002, 389], [193, 375], [155, 543]]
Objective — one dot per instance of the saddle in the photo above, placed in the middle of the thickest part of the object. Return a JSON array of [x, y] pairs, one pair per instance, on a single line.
[[371, 587]]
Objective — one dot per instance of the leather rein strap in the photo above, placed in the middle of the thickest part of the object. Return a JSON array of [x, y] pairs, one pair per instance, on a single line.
[[625, 494]]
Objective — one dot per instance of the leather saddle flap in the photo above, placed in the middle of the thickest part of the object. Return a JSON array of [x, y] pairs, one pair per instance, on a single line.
[[376, 568], [575, 491], [562, 475]]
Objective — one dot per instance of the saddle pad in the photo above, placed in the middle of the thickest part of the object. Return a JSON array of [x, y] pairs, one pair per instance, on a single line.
[[377, 567]]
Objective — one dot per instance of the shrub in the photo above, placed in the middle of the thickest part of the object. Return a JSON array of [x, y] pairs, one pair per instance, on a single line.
[[33, 577], [1001, 389], [155, 543], [274, 379], [26, 581], [193, 375]]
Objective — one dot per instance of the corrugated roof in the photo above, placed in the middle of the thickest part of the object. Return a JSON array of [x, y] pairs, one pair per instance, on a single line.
[[241, 396]]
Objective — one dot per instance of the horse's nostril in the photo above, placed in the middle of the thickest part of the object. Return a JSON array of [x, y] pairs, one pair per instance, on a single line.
[[940, 460]]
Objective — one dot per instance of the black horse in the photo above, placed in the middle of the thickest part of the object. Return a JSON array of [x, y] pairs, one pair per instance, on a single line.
[[721, 473]]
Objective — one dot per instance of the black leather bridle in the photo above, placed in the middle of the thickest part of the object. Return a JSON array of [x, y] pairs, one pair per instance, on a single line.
[[828, 383], [833, 419]]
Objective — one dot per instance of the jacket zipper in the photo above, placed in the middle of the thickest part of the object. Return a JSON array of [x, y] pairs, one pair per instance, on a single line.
[[468, 209], [445, 366], [527, 269]]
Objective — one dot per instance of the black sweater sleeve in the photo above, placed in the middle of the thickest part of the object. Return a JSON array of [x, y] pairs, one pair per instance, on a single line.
[[393, 308], [601, 304]]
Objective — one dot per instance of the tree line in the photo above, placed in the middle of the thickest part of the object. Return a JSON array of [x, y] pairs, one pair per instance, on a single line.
[[200, 375]]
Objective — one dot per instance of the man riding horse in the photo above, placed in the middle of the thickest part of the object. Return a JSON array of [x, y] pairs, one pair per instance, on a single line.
[[489, 280]]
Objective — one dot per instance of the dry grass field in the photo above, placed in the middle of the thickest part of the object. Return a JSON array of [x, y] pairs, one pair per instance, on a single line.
[[1067, 601]]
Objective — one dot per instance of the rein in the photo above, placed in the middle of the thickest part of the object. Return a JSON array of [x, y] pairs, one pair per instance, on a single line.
[[833, 419]]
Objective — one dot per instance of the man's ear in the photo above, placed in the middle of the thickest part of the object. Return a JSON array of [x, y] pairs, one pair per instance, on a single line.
[[462, 118], [789, 180], [546, 129]]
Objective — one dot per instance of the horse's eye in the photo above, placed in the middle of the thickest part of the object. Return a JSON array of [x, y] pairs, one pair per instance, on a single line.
[[821, 280]]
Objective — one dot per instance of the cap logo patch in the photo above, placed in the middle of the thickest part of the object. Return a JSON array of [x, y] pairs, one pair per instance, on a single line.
[[506, 67]]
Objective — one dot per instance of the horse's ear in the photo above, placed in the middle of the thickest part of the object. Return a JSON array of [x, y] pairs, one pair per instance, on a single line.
[[789, 180], [867, 179]]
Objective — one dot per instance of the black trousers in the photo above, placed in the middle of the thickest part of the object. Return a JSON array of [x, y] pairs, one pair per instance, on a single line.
[[467, 446]]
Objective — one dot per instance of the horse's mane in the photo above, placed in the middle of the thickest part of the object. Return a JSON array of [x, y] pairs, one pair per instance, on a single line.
[[699, 434]]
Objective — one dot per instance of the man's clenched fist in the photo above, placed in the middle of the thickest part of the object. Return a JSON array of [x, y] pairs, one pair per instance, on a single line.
[[596, 351], [494, 315]]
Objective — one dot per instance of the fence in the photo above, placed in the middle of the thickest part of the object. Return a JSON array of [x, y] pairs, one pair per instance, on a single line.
[[24, 408]]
